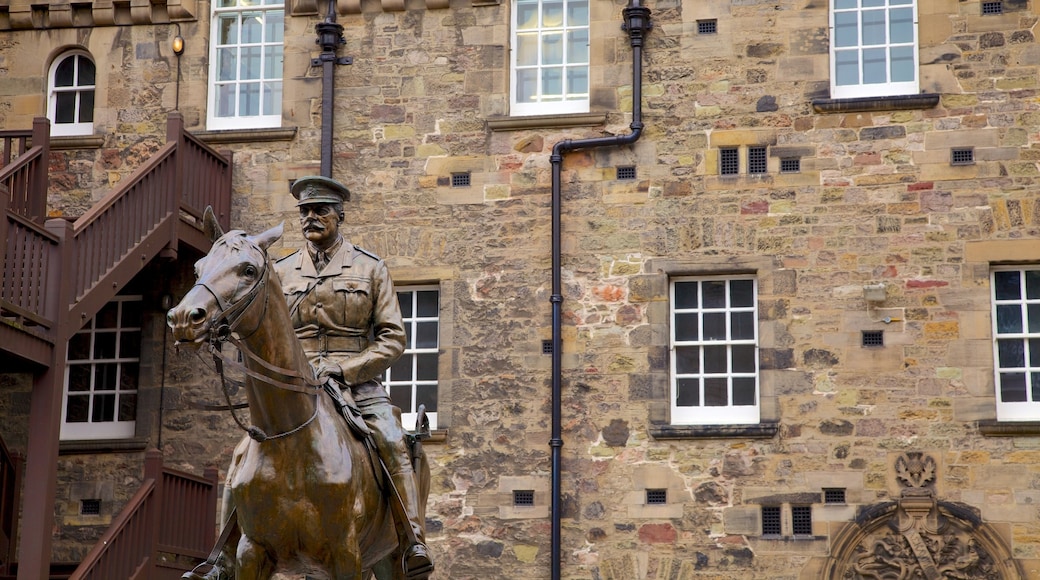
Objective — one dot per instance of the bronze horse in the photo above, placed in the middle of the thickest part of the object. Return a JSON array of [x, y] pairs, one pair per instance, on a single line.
[[304, 486]]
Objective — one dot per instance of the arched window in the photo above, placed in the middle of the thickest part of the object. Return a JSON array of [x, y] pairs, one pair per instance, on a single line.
[[71, 101]]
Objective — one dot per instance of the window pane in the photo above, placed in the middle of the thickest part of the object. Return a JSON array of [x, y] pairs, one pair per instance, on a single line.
[[526, 86], [873, 27], [742, 325], [401, 370], [228, 58], [902, 64], [65, 107], [248, 99], [86, 106], [272, 98], [716, 392], [577, 81], [1013, 387], [846, 29], [1034, 352], [686, 326], [250, 63], [577, 13], [552, 83], [526, 49], [716, 359], [86, 71], [741, 293], [578, 46], [687, 359], [846, 67], [1009, 318], [426, 367], [127, 407], [131, 314], [108, 317], [686, 295], [714, 294], [404, 299], [845, 4], [104, 409], [687, 393], [1033, 284], [743, 391], [526, 15], [106, 376], [401, 397], [552, 14], [272, 62], [79, 347], [426, 335], [901, 25], [714, 326], [1007, 285], [1033, 317], [274, 26], [105, 345], [227, 31], [426, 395], [128, 376], [1011, 353], [130, 345], [875, 69], [743, 358], [427, 303], [79, 378], [226, 101], [252, 27], [552, 48], [65, 73], [77, 409], [1034, 386]]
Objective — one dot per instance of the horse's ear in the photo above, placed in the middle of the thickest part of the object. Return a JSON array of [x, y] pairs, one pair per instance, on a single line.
[[210, 226], [269, 237]]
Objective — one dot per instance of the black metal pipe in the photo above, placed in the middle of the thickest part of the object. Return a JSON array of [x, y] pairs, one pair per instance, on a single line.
[[330, 37], [637, 24]]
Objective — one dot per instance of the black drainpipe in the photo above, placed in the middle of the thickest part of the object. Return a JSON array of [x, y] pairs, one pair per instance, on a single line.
[[330, 37], [637, 24]]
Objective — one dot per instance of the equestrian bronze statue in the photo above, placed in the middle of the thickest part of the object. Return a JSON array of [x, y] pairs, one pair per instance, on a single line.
[[308, 488]]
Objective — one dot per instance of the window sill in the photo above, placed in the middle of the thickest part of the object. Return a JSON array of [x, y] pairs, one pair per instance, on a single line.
[[437, 436], [755, 431], [245, 135], [76, 142], [84, 446], [875, 104], [502, 123], [994, 428]]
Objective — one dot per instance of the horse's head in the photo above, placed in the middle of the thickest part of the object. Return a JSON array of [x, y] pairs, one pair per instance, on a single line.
[[227, 280]]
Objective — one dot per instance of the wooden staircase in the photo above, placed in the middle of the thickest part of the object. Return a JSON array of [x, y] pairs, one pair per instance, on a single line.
[[58, 274]]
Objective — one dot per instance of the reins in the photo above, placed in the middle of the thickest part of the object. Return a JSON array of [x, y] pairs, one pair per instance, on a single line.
[[224, 326]]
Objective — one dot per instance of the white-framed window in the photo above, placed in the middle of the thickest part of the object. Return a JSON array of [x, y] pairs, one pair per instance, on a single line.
[[101, 373], [245, 76], [412, 379], [70, 103], [1016, 343], [714, 351], [549, 62], [873, 48]]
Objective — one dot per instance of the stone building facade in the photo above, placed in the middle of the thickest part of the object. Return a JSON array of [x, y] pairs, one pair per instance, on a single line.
[[895, 421]]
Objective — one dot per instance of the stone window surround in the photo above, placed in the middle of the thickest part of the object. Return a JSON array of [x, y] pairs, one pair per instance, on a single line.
[[765, 269], [986, 254]]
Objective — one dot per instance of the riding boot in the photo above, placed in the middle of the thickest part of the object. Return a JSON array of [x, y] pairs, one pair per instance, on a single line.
[[417, 562]]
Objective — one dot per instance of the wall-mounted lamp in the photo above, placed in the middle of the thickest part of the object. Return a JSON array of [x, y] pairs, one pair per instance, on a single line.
[[874, 292], [178, 44], [178, 49]]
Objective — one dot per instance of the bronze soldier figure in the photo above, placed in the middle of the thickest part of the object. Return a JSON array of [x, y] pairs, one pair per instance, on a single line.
[[347, 317]]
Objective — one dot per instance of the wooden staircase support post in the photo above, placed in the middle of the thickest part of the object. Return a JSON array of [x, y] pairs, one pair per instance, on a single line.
[[45, 426], [37, 206], [175, 134], [153, 469]]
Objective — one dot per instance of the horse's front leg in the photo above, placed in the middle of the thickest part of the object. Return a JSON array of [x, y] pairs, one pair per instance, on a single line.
[[254, 563], [346, 563]]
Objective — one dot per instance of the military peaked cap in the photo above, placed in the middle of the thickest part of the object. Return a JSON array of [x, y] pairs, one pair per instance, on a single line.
[[319, 189]]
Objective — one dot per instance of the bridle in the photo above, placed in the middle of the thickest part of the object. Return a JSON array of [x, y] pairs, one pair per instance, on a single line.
[[224, 328]]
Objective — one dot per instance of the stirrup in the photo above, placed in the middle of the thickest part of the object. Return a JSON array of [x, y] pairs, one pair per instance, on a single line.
[[214, 573], [417, 563]]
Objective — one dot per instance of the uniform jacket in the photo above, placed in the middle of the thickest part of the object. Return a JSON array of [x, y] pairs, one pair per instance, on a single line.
[[351, 302]]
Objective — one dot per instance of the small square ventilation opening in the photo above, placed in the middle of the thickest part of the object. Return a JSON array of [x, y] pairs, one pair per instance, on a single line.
[[523, 497], [626, 172], [656, 496], [756, 160], [460, 179], [801, 520], [962, 156], [993, 7], [873, 338], [89, 507], [790, 165], [771, 520], [547, 347], [729, 161], [834, 495], [708, 26]]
